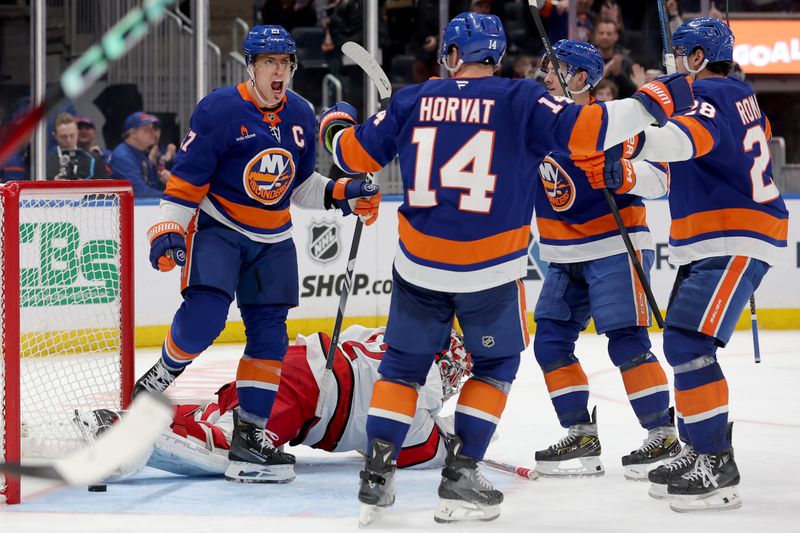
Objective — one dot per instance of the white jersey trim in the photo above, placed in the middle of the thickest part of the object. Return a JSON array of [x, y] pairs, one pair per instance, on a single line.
[[648, 392], [721, 246], [450, 281], [577, 253], [208, 208]]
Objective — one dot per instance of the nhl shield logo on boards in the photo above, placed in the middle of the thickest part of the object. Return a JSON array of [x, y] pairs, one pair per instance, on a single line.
[[323, 241], [558, 186], [268, 176]]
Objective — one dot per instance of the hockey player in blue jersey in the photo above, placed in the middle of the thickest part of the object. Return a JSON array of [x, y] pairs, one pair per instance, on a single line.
[[590, 276], [467, 147], [729, 224], [224, 218]]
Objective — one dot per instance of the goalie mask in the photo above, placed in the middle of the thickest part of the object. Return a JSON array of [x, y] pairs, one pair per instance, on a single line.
[[455, 364]]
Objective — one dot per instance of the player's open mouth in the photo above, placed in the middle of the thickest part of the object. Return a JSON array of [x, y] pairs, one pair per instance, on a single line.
[[277, 87]]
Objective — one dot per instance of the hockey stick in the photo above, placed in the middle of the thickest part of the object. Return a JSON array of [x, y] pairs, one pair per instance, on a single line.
[[79, 76], [525, 473], [754, 327], [363, 59], [623, 231], [132, 436], [668, 52]]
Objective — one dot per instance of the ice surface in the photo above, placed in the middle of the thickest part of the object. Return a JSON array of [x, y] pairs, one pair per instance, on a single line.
[[763, 403]]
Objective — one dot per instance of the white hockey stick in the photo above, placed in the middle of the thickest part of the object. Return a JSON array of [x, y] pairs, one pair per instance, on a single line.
[[363, 59], [133, 435]]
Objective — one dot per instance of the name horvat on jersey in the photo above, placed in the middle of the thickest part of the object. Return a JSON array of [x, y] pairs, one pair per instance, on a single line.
[[748, 110], [454, 109], [268, 175]]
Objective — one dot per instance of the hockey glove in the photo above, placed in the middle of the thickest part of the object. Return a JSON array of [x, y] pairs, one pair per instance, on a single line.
[[167, 246], [666, 96], [338, 117], [356, 196], [615, 173]]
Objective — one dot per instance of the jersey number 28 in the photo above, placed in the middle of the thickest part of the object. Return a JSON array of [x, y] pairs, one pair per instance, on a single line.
[[763, 192], [469, 168]]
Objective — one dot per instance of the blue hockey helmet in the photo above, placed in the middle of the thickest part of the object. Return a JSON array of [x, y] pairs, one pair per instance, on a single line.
[[578, 55], [479, 38], [711, 34], [268, 39]]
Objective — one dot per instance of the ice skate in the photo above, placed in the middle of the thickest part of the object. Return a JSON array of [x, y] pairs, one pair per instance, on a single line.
[[377, 482], [465, 495], [157, 379], [659, 477], [253, 457], [577, 454], [661, 445], [711, 485]]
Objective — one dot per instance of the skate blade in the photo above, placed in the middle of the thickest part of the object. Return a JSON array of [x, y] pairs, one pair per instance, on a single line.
[[241, 472], [639, 472], [658, 491], [369, 514], [450, 511], [724, 499], [578, 467]]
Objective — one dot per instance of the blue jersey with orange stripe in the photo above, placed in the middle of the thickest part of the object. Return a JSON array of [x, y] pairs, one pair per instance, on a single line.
[[573, 219], [724, 202], [240, 163], [468, 151]]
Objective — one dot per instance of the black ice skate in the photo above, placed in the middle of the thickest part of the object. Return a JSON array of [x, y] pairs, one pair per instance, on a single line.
[[377, 482], [465, 495], [711, 485], [661, 445], [157, 379], [660, 476], [577, 454], [253, 457]]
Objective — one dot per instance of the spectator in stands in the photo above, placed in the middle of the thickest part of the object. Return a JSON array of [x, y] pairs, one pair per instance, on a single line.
[[289, 13], [638, 75], [617, 60], [162, 157], [16, 167], [556, 16], [425, 40], [605, 91], [346, 22], [87, 138], [523, 68], [652, 73], [68, 162], [130, 160], [481, 6]]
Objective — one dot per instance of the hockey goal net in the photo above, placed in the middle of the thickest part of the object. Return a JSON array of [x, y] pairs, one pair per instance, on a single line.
[[66, 308]]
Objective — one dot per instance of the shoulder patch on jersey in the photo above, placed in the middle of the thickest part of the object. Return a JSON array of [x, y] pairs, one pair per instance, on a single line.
[[558, 186], [269, 175]]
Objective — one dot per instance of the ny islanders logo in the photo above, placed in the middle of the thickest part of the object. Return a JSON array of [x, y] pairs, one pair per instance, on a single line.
[[268, 175], [558, 185]]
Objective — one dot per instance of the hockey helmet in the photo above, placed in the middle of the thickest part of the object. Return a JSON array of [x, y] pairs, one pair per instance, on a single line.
[[578, 55], [710, 34], [479, 38], [455, 363], [268, 39]]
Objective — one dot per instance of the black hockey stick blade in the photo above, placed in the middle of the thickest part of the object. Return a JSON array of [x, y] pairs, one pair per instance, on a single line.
[[132, 436], [87, 69]]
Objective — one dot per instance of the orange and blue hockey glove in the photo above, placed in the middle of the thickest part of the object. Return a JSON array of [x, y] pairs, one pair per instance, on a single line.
[[356, 196], [666, 96], [167, 246]]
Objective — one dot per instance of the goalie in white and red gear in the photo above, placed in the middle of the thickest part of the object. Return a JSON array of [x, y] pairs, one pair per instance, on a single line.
[[200, 434]]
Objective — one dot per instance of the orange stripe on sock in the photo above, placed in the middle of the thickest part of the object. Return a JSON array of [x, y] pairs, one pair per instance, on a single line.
[[481, 396], [566, 376], [175, 352], [394, 397], [262, 370], [701, 399], [643, 377]]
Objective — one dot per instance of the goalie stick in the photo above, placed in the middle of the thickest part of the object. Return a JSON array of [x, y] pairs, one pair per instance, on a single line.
[[137, 430], [623, 231], [367, 63], [87, 69], [525, 473]]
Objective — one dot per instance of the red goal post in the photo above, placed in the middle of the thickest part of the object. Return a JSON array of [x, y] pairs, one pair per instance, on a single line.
[[66, 312]]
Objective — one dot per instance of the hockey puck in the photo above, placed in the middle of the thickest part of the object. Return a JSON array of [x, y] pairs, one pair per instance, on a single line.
[[98, 488]]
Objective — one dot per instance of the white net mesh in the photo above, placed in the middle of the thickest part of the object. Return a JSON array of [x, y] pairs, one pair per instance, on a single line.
[[70, 327]]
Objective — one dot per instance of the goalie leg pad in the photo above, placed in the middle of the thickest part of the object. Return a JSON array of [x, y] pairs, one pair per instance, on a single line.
[[181, 456]]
